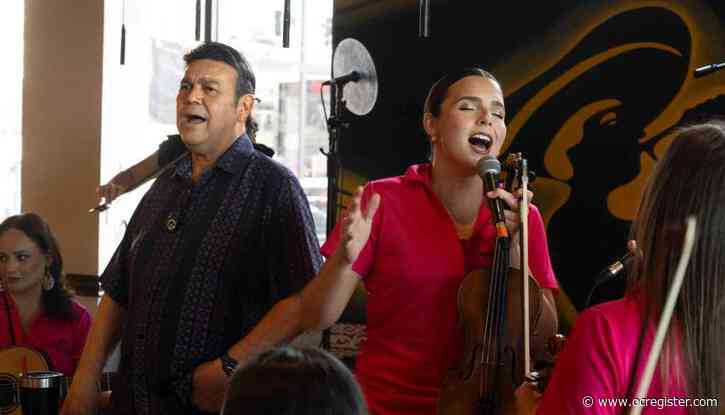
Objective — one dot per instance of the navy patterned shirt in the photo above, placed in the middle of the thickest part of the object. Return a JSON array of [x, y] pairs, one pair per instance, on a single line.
[[199, 265]]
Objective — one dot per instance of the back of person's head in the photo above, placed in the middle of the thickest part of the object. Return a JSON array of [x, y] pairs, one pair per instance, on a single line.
[[246, 82], [288, 381], [688, 180], [57, 300]]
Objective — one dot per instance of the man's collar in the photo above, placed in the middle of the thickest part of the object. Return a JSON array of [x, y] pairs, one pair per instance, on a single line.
[[236, 153], [229, 161]]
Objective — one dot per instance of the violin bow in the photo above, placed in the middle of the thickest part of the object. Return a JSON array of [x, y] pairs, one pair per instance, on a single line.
[[524, 247], [666, 316], [105, 205]]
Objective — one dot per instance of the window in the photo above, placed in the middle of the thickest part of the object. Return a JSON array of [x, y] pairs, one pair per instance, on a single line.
[[288, 83], [11, 72], [139, 97]]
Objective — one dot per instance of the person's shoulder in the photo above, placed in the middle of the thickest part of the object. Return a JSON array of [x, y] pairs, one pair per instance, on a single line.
[[171, 148], [271, 167], [619, 316], [616, 309], [270, 175], [80, 311], [387, 184], [534, 209]]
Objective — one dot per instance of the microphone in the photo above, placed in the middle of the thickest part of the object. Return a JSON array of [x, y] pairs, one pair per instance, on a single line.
[[489, 168], [613, 270], [708, 69], [353, 76], [608, 274]]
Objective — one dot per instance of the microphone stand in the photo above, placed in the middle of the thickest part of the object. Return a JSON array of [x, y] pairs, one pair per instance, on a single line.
[[335, 126]]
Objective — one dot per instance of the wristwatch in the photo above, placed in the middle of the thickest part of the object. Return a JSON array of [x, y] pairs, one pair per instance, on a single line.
[[228, 364]]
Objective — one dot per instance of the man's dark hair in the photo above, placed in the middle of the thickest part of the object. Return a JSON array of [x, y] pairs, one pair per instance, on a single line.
[[246, 83], [216, 51]]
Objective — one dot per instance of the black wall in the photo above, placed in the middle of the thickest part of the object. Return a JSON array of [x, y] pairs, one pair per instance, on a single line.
[[592, 89]]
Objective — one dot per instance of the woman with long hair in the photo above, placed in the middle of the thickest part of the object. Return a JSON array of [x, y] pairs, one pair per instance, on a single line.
[[37, 309], [603, 360]]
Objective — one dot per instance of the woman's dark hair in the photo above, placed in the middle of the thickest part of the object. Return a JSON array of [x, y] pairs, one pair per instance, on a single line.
[[439, 90], [294, 381], [688, 180], [246, 82], [57, 302]]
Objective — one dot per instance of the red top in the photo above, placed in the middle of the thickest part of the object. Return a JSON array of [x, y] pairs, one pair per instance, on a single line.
[[61, 341], [596, 365], [412, 267]]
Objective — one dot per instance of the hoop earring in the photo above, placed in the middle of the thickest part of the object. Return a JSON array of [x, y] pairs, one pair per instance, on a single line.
[[48, 281]]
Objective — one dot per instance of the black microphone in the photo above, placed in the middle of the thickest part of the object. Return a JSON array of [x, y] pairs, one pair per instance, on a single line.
[[614, 269], [609, 273], [489, 169], [353, 76], [708, 69]]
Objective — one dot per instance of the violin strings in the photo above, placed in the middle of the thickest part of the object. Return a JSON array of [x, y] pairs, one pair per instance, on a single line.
[[495, 311]]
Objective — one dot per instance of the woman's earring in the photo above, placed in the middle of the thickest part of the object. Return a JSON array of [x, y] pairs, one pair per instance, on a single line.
[[48, 281]]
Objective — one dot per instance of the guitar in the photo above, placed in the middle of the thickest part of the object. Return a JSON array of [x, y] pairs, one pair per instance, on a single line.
[[13, 361], [16, 360]]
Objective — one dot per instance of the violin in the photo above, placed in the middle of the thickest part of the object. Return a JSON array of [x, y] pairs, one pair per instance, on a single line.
[[499, 343]]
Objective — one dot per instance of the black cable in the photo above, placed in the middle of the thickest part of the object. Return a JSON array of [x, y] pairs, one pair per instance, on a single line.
[[286, 24], [123, 32], [424, 18], [207, 21], [197, 31]]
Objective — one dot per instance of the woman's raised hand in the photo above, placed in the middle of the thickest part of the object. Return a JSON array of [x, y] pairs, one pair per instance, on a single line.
[[356, 225]]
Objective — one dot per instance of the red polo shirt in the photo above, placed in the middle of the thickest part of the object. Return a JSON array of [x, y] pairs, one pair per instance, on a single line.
[[412, 267]]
